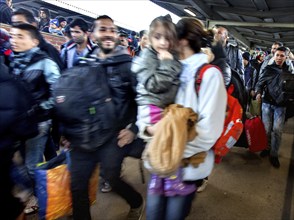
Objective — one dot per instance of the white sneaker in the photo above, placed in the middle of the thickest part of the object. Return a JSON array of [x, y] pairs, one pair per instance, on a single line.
[[31, 206], [203, 186], [105, 187]]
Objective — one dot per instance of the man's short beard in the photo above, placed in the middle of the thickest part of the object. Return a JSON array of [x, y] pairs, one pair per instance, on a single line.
[[106, 50]]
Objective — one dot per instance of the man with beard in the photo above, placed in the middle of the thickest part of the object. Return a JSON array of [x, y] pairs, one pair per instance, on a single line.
[[234, 55], [116, 64], [44, 15], [79, 46]]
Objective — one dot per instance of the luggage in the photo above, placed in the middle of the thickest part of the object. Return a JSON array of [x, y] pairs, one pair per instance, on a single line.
[[53, 188], [256, 134], [255, 108]]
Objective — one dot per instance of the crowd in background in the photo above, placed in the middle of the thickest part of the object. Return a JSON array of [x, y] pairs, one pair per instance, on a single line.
[[24, 52]]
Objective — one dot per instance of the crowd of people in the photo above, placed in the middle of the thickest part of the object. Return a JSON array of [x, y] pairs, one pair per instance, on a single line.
[[146, 76]]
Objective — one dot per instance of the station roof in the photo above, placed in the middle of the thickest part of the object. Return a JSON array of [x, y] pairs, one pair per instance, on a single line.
[[253, 23]]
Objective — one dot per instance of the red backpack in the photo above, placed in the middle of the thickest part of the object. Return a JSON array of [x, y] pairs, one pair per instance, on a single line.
[[233, 125]]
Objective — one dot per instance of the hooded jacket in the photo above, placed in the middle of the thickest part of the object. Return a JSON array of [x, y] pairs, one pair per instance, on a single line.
[[209, 105]]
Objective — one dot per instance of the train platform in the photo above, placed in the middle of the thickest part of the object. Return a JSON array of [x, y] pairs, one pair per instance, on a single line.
[[243, 186]]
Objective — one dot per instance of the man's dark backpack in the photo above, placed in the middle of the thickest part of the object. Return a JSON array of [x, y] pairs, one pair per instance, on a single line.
[[281, 88], [239, 89], [84, 106]]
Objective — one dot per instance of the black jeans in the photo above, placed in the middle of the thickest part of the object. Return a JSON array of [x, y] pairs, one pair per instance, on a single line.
[[111, 156], [10, 206]]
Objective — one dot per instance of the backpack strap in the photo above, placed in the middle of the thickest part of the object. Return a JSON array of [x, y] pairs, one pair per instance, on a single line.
[[199, 75], [231, 89]]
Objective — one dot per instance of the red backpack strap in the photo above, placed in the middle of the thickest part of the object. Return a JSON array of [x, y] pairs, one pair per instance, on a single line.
[[199, 75], [231, 89]]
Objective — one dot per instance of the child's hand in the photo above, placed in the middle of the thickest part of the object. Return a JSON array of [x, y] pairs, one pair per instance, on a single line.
[[150, 130], [164, 55]]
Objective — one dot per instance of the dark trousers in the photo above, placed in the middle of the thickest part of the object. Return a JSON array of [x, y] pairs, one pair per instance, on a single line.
[[10, 206], [110, 156]]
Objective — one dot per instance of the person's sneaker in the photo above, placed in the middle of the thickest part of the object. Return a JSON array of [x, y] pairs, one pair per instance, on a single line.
[[31, 206], [264, 153], [105, 187], [203, 186], [137, 213], [275, 161]]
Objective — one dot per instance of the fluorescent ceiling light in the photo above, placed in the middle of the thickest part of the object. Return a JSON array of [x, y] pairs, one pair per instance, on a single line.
[[190, 12]]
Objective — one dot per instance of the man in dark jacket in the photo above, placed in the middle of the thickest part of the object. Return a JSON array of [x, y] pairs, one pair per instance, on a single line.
[[249, 72], [11, 130], [273, 114], [33, 67], [234, 56], [5, 11], [116, 62], [45, 16], [143, 40], [24, 16]]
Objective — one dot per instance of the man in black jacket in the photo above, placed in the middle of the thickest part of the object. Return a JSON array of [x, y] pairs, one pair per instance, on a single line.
[[116, 62], [11, 130], [24, 16], [273, 113], [5, 11], [38, 73]]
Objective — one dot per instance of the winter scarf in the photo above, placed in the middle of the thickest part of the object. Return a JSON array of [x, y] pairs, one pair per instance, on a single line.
[[22, 60]]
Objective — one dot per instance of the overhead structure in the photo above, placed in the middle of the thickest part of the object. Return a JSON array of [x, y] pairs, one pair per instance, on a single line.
[[62, 8], [253, 23]]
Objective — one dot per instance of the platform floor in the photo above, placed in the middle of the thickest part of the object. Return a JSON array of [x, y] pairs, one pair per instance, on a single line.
[[243, 186]]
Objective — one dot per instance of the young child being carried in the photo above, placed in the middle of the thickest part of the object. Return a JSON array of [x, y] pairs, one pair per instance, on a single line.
[[157, 70]]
